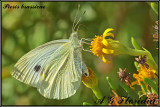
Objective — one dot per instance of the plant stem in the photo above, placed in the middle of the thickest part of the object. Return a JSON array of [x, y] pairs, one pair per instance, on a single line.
[[99, 95], [135, 52]]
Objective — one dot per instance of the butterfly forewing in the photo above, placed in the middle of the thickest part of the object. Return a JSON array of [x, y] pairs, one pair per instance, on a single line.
[[55, 68], [29, 67]]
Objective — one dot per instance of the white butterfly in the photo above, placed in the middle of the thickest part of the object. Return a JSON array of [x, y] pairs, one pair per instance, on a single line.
[[54, 68]]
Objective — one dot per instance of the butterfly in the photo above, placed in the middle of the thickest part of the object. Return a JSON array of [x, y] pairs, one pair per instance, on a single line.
[[54, 68]]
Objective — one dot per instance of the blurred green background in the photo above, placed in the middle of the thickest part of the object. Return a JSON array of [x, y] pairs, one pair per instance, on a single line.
[[25, 29]]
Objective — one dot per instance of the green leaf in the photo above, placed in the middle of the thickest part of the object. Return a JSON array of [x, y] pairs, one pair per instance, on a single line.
[[154, 6], [151, 62], [130, 92], [140, 93], [111, 83], [136, 65], [151, 84], [143, 87], [135, 44]]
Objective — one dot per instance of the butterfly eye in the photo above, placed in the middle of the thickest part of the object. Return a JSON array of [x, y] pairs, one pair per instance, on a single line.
[[85, 74], [37, 68]]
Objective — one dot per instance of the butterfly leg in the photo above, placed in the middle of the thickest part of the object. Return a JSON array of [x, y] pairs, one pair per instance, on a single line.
[[87, 39], [83, 40]]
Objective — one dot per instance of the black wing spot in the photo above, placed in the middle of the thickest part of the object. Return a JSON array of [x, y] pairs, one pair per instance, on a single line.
[[37, 68]]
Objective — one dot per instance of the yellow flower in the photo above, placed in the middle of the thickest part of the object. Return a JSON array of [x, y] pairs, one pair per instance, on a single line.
[[91, 81], [143, 73], [100, 46], [103, 48]]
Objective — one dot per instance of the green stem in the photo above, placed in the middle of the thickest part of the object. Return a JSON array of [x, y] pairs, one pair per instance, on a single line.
[[135, 52], [99, 95]]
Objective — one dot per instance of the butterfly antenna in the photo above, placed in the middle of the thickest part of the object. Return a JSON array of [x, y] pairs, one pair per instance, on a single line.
[[81, 25], [79, 19], [75, 18]]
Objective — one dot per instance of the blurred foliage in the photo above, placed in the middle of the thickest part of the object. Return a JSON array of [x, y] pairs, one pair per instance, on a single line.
[[154, 6], [25, 29]]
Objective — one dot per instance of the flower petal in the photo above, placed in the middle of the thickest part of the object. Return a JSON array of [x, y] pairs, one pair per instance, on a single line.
[[153, 70], [107, 51], [133, 83], [134, 75], [108, 30], [105, 42], [108, 34], [105, 60]]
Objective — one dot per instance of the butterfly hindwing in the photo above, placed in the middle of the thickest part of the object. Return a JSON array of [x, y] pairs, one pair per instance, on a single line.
[[29, 67], [63, 74]]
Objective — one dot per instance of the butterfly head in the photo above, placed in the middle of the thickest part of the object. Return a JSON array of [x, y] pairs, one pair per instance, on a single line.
[[74, 39], [74, 36]]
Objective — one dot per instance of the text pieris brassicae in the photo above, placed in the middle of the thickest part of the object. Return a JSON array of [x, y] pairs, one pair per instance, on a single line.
[[54, 68]]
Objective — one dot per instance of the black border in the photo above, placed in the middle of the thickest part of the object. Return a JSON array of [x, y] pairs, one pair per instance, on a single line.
[[72, 1]]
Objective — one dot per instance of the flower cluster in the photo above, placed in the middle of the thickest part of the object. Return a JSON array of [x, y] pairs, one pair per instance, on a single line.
[[144, 73], [103, 46]]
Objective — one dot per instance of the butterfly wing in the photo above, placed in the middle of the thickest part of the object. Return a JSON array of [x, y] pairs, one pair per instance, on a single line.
[[29, 67], [61, 76]]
